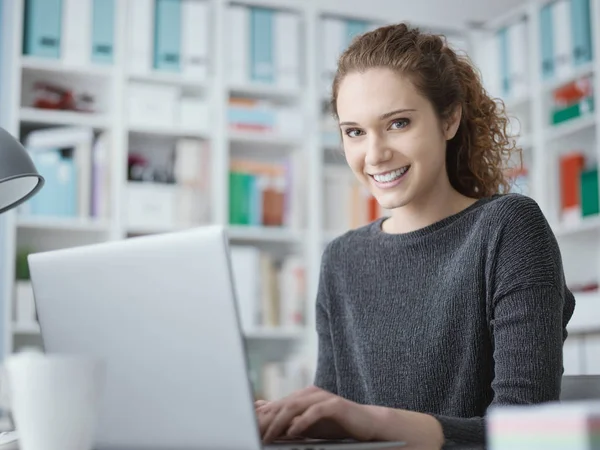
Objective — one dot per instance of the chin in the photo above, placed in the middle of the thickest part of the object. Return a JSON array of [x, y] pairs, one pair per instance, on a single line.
[[391, 201]]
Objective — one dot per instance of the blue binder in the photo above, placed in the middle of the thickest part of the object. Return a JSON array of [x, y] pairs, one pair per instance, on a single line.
[[547, 41], [581, 29], [354, 28], [504, 53], [167, 35], [59, 196], [42, 28], [103, 31], [262, 64]]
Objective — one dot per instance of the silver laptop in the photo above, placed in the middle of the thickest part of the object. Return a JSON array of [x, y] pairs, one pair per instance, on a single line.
[[160, 311]]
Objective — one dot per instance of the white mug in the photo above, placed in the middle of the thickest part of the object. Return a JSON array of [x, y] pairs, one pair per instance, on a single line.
[[54, 399]]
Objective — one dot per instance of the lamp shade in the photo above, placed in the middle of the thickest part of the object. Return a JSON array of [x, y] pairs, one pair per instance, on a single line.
[[19, 179]]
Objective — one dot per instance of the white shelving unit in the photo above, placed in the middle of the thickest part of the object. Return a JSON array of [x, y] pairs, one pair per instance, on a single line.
[[579, 241], [308, 240]]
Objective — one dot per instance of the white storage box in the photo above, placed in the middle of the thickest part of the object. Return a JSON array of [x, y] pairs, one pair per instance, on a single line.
[[152, 105], [151, 206], [194, 114]]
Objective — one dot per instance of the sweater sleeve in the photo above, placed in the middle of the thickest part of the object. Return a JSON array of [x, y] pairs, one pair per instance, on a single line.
[[325, 376], [529, 308]]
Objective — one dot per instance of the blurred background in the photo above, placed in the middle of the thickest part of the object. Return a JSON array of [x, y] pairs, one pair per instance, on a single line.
[[149, 116]]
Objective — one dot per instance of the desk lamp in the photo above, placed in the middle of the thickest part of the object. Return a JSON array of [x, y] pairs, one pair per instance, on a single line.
[[19, 179]]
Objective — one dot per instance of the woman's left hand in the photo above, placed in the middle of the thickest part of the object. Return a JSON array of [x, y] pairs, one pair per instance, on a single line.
[[315, 413]]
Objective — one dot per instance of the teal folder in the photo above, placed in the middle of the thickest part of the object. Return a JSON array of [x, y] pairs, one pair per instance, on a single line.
[[354, 28], [103, 31], [42, 28], [59, 196], [167, 35], [581, 29], [262, 64], [547, 41], [504, 53]]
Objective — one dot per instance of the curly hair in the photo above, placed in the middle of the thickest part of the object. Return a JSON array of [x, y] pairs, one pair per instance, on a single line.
[[477, 157]]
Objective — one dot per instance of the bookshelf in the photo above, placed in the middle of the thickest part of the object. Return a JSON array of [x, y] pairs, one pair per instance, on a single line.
[[206, 93], [551, 139]]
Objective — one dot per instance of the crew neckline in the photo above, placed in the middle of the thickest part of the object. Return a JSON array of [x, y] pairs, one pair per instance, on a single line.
[[376, 226]]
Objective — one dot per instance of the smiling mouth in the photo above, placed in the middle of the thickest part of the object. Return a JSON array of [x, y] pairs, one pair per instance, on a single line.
[[393, 175]]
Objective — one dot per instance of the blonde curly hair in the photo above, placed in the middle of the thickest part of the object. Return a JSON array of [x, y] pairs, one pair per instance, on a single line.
[[478, 157]]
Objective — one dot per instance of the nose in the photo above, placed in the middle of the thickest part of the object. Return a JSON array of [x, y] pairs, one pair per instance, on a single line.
[[377, 151]]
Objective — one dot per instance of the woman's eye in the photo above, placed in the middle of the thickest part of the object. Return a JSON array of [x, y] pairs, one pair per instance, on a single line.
[[400, 123], [352, 132]]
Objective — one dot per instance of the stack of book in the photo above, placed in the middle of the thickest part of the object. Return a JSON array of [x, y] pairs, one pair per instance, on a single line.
[[264, 194], [348, 204], [549, 426], [275, 380], [572, 100], [79, 32], [566, 37], [75, 164], [578, 187], [169, 36], [270, 292], [264, 46], [261, 116]]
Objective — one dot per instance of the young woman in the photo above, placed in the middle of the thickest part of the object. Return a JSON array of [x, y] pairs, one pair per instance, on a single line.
[[457, 301]]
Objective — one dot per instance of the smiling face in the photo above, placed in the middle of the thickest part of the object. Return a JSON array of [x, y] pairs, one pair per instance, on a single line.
[[393, 140]]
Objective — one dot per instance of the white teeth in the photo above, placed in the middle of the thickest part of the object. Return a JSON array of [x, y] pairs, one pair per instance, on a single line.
[[390, 176]]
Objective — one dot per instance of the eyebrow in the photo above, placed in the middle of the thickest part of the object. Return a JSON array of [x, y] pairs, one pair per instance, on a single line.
[[383, 116]]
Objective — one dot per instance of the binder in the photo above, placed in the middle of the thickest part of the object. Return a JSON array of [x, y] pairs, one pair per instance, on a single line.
[[42, 28], [140, 17], [354, 28], [503, 52], [581, 28], [547, 42], [561, 21], [287, 49], [75, 41], [262, 68], [167, 35], [195, 36], [59, 196], [334, 42], [103, 31], [238, 45], [517, 37], [492, 71]]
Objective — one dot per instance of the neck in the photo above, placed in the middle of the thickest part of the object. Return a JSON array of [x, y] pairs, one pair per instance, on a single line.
[[427, 210]]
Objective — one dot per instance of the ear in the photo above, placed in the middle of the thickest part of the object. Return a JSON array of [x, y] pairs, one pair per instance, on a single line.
[[453, 122]]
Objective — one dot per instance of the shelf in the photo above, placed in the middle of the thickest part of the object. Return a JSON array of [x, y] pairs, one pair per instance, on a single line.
[[265, 92], [57, 66], [36, 116], [63, 224], [586, 317], [295, 5], [264, 234], [579, 72], [171, 79], [26, 328], [169, 131], [571, 127], [253, 139], [276, 333], [591, 224], [517, 103]]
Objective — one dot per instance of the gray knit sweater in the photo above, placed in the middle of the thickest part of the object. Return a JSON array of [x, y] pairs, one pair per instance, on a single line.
[[449, 319]]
